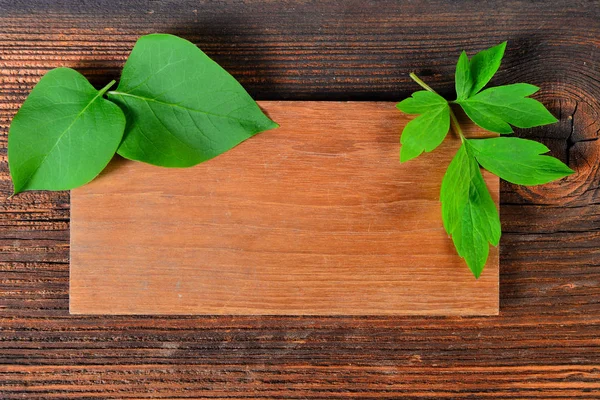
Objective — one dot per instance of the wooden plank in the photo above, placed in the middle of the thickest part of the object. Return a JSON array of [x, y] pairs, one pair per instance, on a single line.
[[315, 218]]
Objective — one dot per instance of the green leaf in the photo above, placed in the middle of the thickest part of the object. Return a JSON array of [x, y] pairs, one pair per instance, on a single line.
[[463, 78], [421, 102], [518, 160], [64, 134], [468, 211], [495, 108], [484, 65], [182, 108], [428, 130]]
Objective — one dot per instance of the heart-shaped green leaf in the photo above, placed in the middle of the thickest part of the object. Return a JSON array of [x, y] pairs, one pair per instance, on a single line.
[[182, 108], [64, 134]]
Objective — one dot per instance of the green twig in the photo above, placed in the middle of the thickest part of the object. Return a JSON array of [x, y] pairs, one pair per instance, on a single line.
[[453, 120]]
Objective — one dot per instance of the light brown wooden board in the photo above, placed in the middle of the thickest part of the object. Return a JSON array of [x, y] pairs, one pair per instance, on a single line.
[[317, 217]]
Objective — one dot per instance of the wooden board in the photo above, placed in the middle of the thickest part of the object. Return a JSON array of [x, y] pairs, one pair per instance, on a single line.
[[317, 217]]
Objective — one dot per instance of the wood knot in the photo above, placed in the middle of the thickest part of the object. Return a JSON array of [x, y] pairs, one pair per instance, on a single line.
[[574, 140]]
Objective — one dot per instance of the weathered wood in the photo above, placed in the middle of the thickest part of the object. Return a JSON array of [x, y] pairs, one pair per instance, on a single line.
[[316, 217], [543, 345]]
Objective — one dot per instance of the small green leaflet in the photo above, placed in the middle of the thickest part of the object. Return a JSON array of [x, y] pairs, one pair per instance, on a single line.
[[484, 65], [472, 76], [428, 130], [468, 212], [64, 134], [518, 161], [182, 108], [495, 108], [463, 79]]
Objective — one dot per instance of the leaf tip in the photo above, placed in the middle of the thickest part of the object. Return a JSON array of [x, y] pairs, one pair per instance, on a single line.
[[500, 47], [567, 171], [400, 106], [401, 157], [408, 154], [272, 125], [533, 88], [477, 268]]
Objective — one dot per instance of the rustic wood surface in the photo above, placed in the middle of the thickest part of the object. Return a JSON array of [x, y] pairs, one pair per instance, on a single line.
[[544, 344], [316, 217]]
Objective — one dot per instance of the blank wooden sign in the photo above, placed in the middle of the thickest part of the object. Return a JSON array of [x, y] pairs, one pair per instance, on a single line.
[[317, 217]]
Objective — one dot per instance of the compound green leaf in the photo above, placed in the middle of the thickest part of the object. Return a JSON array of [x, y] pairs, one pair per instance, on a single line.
[[64, 134], [182, 108], [518, 160], [468, 211], [495, 109]]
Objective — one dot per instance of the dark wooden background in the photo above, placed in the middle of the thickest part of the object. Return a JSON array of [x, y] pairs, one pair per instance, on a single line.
[[545, 344]]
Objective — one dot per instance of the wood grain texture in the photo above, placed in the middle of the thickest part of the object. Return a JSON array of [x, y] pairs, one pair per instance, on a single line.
[[544, 344], [316, 217]]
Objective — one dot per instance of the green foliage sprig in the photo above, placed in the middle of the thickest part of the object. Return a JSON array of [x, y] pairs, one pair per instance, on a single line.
[[469, 214], [173, 107]]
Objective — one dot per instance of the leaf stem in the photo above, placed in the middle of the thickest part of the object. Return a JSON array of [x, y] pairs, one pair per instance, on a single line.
[[455, 125], [105, 88], [421, 83], [453, 120]]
